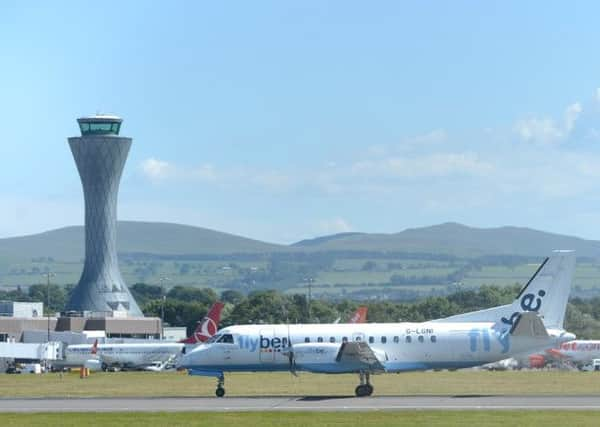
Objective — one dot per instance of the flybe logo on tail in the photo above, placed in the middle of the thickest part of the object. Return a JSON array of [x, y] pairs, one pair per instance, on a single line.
[[529, 302], [261, 342]]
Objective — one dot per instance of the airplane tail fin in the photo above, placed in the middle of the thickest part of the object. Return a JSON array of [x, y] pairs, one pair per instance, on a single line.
[[546, 293], [208, 326], [360, 315]]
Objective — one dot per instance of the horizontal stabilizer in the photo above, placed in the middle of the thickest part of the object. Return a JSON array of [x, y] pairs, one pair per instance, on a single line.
[[529, 324]]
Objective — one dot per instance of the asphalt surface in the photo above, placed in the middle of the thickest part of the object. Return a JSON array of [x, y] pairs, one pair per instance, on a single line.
[[313, 403]]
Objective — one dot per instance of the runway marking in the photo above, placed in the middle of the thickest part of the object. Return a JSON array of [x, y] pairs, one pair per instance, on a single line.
[[245, 404]]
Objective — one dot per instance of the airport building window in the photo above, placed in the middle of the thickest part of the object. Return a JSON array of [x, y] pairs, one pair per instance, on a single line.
[[371, 340], [344, 339], [408, 339], [307, 339], [320, 339], [433, 338], [396, 339], [331, 339], [421, 339], [383, 340], [100, 128]]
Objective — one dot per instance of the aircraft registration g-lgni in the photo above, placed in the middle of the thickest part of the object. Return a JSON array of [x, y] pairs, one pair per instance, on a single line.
[[534, 321]]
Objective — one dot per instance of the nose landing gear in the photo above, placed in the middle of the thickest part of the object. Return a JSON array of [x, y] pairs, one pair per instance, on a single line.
[[364, 388], [220, 391]]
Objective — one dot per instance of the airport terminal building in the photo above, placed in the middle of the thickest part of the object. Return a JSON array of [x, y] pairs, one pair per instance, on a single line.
[[26, 317]]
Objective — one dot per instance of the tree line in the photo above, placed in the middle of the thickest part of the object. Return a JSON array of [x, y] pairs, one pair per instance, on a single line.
[[185, 306]]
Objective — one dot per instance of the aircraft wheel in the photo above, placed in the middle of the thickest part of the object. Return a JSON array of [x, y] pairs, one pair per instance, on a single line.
[[369, 388], [220, 392], [361, 391]]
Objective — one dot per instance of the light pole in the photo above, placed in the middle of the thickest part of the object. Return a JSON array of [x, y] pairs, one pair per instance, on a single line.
[[48, 275], [310, 280], [162, 279]]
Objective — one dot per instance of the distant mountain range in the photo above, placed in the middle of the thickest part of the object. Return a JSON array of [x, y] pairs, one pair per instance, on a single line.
[[66, 244]]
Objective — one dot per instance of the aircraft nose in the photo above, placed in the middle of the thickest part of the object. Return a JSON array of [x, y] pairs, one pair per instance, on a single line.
[[192, 357]]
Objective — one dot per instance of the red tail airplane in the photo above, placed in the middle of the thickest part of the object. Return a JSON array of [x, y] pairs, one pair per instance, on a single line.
[[207, 327]]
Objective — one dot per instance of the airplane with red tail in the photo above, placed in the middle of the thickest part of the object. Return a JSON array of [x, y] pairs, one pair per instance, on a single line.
[[207, 327]]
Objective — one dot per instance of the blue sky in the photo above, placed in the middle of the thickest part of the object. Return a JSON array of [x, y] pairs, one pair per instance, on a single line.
[[288, 120]]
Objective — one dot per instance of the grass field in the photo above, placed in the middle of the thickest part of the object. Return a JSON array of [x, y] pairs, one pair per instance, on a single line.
[[301, 419], [149, 384]]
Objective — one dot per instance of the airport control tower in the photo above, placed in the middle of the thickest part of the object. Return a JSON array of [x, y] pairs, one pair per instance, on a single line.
[[100, 154]]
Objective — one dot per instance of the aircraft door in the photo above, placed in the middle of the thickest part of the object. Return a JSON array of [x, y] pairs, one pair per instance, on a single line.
[[266, 351]]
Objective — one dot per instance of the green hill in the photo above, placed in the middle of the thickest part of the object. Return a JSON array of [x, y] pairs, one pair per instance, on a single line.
[[156, 238], [456, 239], [67, 244]]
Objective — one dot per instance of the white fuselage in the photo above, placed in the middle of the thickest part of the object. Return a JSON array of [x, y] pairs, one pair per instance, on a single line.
[[398, 346], [134, 355]]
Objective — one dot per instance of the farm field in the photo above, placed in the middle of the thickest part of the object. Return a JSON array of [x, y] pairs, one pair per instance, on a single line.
[[344, 276]]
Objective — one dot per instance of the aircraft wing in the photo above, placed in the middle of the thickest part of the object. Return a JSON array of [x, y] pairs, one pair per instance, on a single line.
[[355, 353]]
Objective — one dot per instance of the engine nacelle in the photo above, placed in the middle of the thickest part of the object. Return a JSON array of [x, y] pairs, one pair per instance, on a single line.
[[316, 357]]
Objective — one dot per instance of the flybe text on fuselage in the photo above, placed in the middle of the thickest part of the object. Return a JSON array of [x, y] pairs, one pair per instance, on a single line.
[[253, 343]]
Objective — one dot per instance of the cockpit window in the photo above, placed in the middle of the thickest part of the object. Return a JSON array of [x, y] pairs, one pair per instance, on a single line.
[[212, 339], [226, 339]]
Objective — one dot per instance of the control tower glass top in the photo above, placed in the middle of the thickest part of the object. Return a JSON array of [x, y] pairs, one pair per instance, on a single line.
[[100, 124]]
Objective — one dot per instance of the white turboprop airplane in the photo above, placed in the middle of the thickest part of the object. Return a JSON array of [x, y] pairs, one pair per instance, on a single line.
[[534, 321]]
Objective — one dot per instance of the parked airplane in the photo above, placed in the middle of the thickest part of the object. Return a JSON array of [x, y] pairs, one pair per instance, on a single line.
[[152, 356], [122, 355], [533, 321], [579, 352]]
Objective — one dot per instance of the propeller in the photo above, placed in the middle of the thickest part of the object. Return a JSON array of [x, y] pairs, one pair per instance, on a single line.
[[290, 354]]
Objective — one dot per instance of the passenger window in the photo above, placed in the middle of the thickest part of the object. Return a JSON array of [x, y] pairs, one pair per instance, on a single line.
[[383, 340], [408, 339], [307, 339], [433, 338], [344, 339], [331, 339], [371, 340], [357, 339], [396, 339], [320, 339], [421, 339]]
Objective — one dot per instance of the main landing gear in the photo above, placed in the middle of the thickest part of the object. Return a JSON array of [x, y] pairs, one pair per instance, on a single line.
[[364, 388], [220, 391]]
